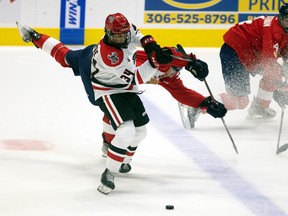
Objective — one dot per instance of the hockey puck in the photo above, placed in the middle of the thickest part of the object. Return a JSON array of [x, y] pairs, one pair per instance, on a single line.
[[169, 207]]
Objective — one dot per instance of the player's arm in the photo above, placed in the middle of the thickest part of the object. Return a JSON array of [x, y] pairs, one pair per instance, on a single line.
[[198, 68], [192, 98], [48, 44]]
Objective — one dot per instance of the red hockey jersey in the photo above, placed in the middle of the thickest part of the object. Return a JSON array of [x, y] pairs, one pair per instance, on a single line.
[[258, 43]]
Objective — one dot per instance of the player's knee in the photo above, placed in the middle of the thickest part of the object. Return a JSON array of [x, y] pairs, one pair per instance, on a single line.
[[233, 102], [141, 132], [125, 132]]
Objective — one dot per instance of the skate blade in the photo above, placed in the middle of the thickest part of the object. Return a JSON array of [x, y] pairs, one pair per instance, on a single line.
[[187, 121], [104, 189], [258, 118], [23, 36]]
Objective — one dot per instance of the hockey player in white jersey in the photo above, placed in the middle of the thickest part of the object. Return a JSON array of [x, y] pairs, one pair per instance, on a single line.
[[111, 79]]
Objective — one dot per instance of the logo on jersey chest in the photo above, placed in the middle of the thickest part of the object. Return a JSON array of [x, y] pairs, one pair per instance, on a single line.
[[114, 58]]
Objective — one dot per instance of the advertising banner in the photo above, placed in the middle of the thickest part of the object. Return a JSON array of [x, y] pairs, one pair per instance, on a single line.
[[213, 12], [72, 21]]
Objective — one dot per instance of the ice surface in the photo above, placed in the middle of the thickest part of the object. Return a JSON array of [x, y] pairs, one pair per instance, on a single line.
[[195, 170]]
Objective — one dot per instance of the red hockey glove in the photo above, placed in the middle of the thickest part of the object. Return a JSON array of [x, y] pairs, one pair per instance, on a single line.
[[156, 54], [217, 110], [149, 44], [163, 55], [160, 60]]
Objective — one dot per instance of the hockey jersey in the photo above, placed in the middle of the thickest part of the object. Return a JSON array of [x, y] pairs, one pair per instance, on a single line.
[[108, 70], [258, 43], [104, 69]]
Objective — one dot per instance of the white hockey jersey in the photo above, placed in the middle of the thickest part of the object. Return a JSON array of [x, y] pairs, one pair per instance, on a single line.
[[114, 70]]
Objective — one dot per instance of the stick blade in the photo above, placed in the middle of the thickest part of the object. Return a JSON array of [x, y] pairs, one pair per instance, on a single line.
[[181, 50], [282, 148]]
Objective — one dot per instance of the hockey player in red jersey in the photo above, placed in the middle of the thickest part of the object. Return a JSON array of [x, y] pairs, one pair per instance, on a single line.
[[111, 78], [253, 48]]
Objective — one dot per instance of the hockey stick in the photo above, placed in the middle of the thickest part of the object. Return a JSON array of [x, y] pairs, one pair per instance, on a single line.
[[285, 146], [187, 58]]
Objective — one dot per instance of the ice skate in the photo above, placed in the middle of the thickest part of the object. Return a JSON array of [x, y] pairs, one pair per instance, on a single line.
[[193, 114], [27, 33], [125, 168], [189, 115], [107, 182], [256, 111]]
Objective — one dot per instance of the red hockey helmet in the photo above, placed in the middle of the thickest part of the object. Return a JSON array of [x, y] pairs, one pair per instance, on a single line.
[[117, 29]]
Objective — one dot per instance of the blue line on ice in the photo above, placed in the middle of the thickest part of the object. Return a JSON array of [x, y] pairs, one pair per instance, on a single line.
[[216, 167]]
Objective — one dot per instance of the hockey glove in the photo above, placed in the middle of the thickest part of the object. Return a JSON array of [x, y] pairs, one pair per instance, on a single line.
[[198, 68], [156, 54], [149, 44], [28, 34], [281, 97], [217, 110], [163, 55], [160, 59]]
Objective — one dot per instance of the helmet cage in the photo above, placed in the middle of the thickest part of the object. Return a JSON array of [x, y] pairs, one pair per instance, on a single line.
[[112, 40], [118, 24]]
